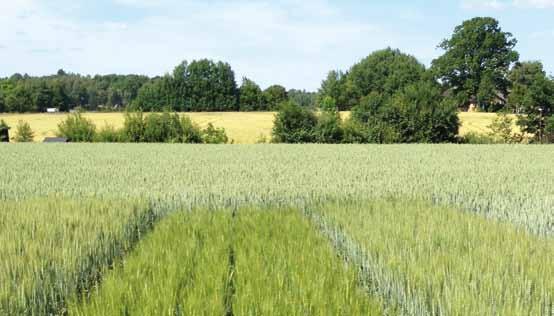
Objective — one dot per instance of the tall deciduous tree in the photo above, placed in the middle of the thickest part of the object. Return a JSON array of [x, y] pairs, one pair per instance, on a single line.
[[532, 96], [476, 62], [420, 114], [385, 72], [19, 100], [416, 114], [2, 104], [294, 124], [212, 86], [302, 97], [331, 86], [251, 97], [151, 96], [275, 95]]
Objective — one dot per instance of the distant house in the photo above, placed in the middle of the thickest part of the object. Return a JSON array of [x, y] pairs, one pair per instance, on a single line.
[[55, 140], [52, 110]]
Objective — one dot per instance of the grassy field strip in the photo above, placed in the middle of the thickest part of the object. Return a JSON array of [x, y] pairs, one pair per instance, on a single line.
[[179, 269], [52, 249], [242, 127], [284, 267], [455, 262]]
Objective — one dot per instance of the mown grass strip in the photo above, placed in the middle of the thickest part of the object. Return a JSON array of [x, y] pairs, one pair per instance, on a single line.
[[179, 269], [284, 267], [455, 263]]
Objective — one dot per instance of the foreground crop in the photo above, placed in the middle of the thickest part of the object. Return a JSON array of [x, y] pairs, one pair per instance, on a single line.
[[256, 262], [478, 242], [53, 249], [441, 261]]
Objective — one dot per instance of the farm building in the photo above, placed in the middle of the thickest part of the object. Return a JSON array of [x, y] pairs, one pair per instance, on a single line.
[[52, 110]]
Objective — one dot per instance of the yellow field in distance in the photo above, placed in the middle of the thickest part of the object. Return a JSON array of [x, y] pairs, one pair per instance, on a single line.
[[241, 127]]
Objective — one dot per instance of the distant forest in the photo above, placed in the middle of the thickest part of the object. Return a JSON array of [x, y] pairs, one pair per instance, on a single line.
[[198, 86]]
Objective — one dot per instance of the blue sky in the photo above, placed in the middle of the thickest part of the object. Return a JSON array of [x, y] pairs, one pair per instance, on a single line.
[[287, 42]]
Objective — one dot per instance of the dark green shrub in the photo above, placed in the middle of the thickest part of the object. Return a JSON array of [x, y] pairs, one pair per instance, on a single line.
[[381, 132], [162, 128], [168, 128], [416, 114], [420, 114], [294, 124], [368, 108], [328, 104], [134, 126], [109, 134], [191, 133], [77, 128], [329, 128], [154, 129], [251, 96], [355, 132], [23, 133], [212, 135], [273, 96]]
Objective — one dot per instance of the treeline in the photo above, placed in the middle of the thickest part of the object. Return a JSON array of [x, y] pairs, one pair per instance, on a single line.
[[199, 86], [392, 96], [23, 93]]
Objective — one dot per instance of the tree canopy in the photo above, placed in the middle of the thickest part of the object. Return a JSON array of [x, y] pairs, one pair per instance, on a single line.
[[532, 96], [251, 97], [384, 72], [294, 124], [476, 62], [274, 96]]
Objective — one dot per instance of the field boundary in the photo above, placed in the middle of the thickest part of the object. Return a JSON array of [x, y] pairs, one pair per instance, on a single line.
[[375, 280]]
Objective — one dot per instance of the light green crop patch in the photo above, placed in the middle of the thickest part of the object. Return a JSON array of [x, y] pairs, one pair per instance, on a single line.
[[451, 262], [52, 248]]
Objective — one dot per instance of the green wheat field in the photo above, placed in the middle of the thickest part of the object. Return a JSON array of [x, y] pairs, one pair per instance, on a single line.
[[136, 229]]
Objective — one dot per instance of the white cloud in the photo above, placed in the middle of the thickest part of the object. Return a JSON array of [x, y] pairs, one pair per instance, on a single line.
[[484, 5], [500, 5], [538, 4], [286, 42]]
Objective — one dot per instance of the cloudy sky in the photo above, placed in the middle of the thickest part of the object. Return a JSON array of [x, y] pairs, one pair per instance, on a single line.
[[288, 42]]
